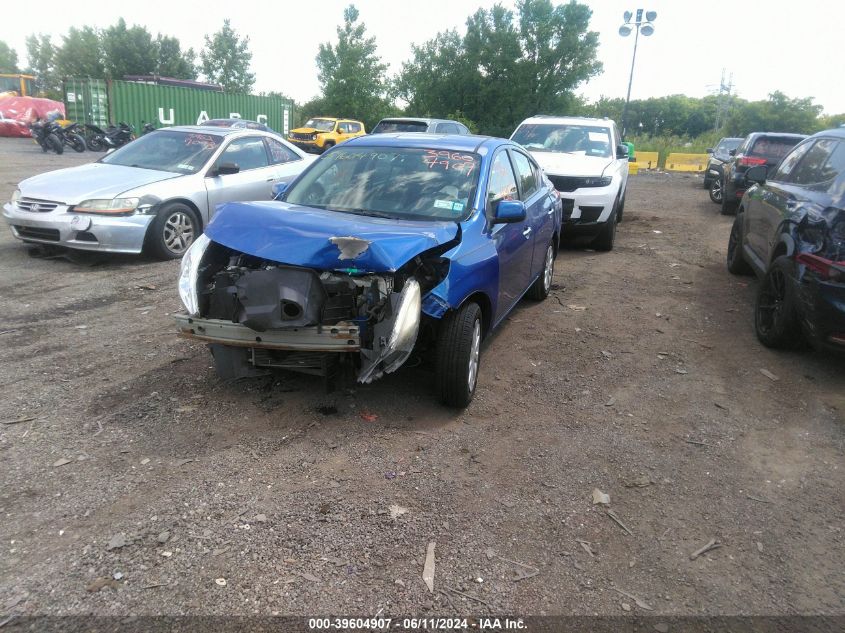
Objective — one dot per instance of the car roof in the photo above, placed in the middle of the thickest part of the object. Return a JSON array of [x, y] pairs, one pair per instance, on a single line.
[[418, 119], [837, 132], [565, 120], [453, 142], [333, 118], [778, 134], [215, 130]]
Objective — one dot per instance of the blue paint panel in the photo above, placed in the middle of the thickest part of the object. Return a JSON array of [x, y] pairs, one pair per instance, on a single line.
[[299, 236]]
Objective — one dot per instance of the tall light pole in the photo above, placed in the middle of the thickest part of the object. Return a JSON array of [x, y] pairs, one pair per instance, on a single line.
[[639, 25]]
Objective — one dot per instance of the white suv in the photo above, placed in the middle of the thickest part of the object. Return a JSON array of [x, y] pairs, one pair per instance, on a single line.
[[588, 165]]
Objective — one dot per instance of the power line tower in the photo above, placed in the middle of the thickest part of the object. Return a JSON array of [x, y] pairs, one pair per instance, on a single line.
[[724, 100]]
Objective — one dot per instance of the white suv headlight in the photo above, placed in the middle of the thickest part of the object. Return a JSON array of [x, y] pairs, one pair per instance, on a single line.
[[188, 274], [16, 195]]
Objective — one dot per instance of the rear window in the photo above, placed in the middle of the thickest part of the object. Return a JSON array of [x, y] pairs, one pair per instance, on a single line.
[[386, 127], [773, 147]]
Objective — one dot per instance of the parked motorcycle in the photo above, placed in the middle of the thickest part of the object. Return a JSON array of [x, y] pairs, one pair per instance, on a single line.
[[114, 136], [44, 133], [70, 137]]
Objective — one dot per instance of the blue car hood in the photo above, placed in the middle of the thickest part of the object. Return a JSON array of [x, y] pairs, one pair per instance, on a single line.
[[303, 236]]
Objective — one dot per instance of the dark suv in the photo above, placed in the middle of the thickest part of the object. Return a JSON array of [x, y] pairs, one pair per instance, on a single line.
[[719, 155], [758, 148], [790, 230]]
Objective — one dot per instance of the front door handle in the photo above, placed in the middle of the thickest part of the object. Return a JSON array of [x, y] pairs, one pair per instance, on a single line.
[[526, 232]]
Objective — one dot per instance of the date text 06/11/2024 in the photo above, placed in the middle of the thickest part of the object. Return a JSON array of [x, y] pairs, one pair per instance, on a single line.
[[416, 624]]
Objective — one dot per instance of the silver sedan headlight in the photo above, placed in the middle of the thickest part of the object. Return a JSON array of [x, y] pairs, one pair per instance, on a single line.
[[188, 274], [16, 195]]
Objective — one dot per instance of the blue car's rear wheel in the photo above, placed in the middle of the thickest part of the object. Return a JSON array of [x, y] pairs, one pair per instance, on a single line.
[[459, 356], [539, 290]]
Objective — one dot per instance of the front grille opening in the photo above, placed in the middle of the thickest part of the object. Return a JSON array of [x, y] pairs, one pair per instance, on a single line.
[[85, 236], [590, 214], [38, 233]]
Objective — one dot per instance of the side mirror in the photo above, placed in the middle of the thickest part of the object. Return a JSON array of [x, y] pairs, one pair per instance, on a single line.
[[709, 150], [226, 169], [508, 212], [757, 174], [279, 190], [732, 152], [621, 151]]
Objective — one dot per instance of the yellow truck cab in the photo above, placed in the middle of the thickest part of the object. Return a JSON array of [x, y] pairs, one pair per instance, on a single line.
[[321, 133]]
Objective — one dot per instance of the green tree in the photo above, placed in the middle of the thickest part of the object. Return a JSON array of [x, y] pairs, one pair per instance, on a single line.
[[351, 74], [778, 113], [80, 54], [171, 61], [226, 58], [41, 58], [8, 58], [128, 51], [505, 67]]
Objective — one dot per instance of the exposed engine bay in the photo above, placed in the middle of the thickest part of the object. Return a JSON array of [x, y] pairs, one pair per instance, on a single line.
[[303, 319]]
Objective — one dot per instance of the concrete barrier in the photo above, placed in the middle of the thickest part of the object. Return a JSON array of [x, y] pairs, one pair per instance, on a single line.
[[686, 162], [646, 160]]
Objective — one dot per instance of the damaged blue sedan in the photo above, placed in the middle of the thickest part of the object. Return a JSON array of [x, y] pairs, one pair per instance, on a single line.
[[386, 245]]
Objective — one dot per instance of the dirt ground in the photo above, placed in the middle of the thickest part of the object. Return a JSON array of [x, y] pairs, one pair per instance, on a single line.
[[124, 456]]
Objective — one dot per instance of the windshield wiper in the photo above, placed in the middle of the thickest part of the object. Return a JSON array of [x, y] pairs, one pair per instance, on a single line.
[[374, 214]]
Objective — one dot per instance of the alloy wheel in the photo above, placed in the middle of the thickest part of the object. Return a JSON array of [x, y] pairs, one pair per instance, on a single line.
[[772, 299], [474, 353], [178, 232], [549, 270]]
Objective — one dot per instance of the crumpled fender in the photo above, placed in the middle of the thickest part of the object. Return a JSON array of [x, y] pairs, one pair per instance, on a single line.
[[322, 239]]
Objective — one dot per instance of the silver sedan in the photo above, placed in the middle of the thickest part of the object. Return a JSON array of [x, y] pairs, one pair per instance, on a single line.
[[155, 194]]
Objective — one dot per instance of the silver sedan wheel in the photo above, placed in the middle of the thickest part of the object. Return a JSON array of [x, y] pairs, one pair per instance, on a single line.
[[549, 270], [474, 353], [178, 232]]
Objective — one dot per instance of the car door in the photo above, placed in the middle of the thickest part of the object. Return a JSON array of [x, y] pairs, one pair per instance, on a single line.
[[539, 208], [780, 197], [514, 242], [343, 132], [255, 177], [286, 163]]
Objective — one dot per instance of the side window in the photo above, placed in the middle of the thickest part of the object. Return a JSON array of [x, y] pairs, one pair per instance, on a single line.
[[835, 165], [462, 129], [279, 153], [447, 128], [247, 153], [354, 128], [502, 183], [527, 177], [784, 171], [809, 170]]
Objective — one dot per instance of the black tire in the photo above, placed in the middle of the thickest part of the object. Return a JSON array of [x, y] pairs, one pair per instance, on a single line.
[[716, 190], [458, 356], [728, 205], [174, 229], [77, 142], [776, 320], [707, 182], [44, 147], [735, 259], [606, 238], [95, 144], [55, 144], [327, 146], [539, 290]]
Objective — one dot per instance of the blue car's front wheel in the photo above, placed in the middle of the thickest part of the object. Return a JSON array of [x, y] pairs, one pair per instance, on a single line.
[[459, 356]]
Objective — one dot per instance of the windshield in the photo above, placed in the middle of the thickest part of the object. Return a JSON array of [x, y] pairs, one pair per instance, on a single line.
[[393, 182], [728, 144], [324, 125], [385, 127], [166, 150], [589, 140]]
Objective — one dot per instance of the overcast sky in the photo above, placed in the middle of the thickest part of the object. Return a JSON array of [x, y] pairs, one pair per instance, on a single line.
[[796, 49]]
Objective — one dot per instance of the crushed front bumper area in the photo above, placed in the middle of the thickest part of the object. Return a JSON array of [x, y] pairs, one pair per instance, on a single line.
[[343, 337]]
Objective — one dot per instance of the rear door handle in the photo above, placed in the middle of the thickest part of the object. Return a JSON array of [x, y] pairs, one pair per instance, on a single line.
[[527, 232]]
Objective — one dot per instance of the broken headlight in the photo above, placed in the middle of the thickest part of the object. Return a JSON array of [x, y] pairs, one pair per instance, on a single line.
[[189, 272]]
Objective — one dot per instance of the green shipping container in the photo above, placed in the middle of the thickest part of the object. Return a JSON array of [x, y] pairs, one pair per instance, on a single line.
[[139, 103], [86, 101]]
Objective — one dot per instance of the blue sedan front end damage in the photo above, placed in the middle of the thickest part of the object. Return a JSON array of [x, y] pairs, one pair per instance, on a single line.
[[381, 248]]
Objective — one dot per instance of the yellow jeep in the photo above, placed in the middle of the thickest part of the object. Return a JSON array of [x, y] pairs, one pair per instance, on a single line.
[[321, 133]]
